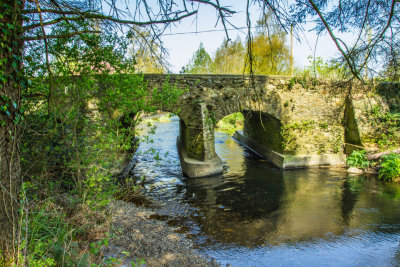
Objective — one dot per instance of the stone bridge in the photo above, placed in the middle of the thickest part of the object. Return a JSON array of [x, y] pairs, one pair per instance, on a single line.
[[293, 122]]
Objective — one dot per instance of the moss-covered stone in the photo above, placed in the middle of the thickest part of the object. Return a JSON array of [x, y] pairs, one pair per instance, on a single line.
[[192, 139], [264, 129], [351, 132]]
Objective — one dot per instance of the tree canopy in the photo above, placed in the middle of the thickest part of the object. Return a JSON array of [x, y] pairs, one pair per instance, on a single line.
[[200, 62], [268, 51]]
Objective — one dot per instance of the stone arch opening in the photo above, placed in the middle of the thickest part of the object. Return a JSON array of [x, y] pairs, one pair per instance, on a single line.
[[263, 133], [265, 129], [230, 123]]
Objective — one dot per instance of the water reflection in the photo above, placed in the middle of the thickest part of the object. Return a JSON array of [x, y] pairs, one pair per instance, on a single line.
[[350, 193], [254, 211], [237, 209]]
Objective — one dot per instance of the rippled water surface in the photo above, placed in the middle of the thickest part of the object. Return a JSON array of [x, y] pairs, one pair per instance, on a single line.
[[256, 215]]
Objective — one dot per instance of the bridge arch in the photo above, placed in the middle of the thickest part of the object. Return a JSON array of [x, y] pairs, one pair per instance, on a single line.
[[292, 121]]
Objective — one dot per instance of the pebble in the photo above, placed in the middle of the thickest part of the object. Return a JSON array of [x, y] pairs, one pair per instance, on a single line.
[[138, 236]]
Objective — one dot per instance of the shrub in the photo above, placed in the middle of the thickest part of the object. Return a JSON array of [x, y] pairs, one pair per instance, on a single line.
[[390, 167], [387, 128], [358, 159]]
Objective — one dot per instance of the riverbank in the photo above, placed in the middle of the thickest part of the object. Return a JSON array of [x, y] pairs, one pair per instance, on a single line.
[[137, 236]]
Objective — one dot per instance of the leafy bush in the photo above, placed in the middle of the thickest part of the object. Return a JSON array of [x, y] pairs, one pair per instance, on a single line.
[[387, 128], [358, 159], [390, 167], [318, 68], [231, 123]]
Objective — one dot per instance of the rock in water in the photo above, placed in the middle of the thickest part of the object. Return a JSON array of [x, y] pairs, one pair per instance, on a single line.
[[354, 170]]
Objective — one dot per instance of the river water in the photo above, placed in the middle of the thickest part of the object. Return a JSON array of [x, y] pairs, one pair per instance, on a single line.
[[256, 215]]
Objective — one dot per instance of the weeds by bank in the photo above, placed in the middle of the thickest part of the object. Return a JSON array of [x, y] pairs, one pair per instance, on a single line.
[[387, 166], [79, 127]]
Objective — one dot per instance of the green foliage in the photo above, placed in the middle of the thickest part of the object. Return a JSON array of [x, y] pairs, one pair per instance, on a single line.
[[49, 236], [288, 130], [300, 125], [79, 130], [138, 263], [318, 68], [231, 123], [390, 167], [386, 127], [358, 159], [324, 125], [199, 63], [229, 58], [391, 70], [291, 83], [270, 54]]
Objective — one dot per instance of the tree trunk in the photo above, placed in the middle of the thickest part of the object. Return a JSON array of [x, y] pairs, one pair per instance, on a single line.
[[11, 77]]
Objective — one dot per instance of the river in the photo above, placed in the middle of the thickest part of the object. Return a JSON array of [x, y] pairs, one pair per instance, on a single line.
[[256, 215]]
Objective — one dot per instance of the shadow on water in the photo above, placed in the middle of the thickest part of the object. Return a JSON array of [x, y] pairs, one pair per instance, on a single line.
[[237, 209], [255, 214]]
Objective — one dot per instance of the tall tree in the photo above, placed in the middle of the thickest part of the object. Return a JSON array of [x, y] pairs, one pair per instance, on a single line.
[[12, 81], [229, 58], [200, 61], [149, 56], [269, 50]]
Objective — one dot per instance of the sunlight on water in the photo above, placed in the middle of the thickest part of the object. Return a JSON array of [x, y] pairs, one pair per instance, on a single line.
[[256, 215]]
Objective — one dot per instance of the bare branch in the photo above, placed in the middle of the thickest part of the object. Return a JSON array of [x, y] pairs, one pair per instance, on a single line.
[[350, 63], [223, 20], [89, 15], [381, 34], [215, 6], [52, 22], [41, 37], [54, 11]]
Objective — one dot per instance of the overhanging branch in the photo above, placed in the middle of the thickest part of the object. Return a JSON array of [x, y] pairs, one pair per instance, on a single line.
[[55, 21], [88, 15], [41, 37]]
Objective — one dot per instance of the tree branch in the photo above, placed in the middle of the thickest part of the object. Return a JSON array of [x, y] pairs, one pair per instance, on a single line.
[[223, 20], [54, 11], [333, 37], [379, 155], [32, 26], [41, 37], [214, 5], [88, 15], [382, 33]]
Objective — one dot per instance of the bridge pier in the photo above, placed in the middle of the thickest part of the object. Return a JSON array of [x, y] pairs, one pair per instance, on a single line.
[[195, 144]]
